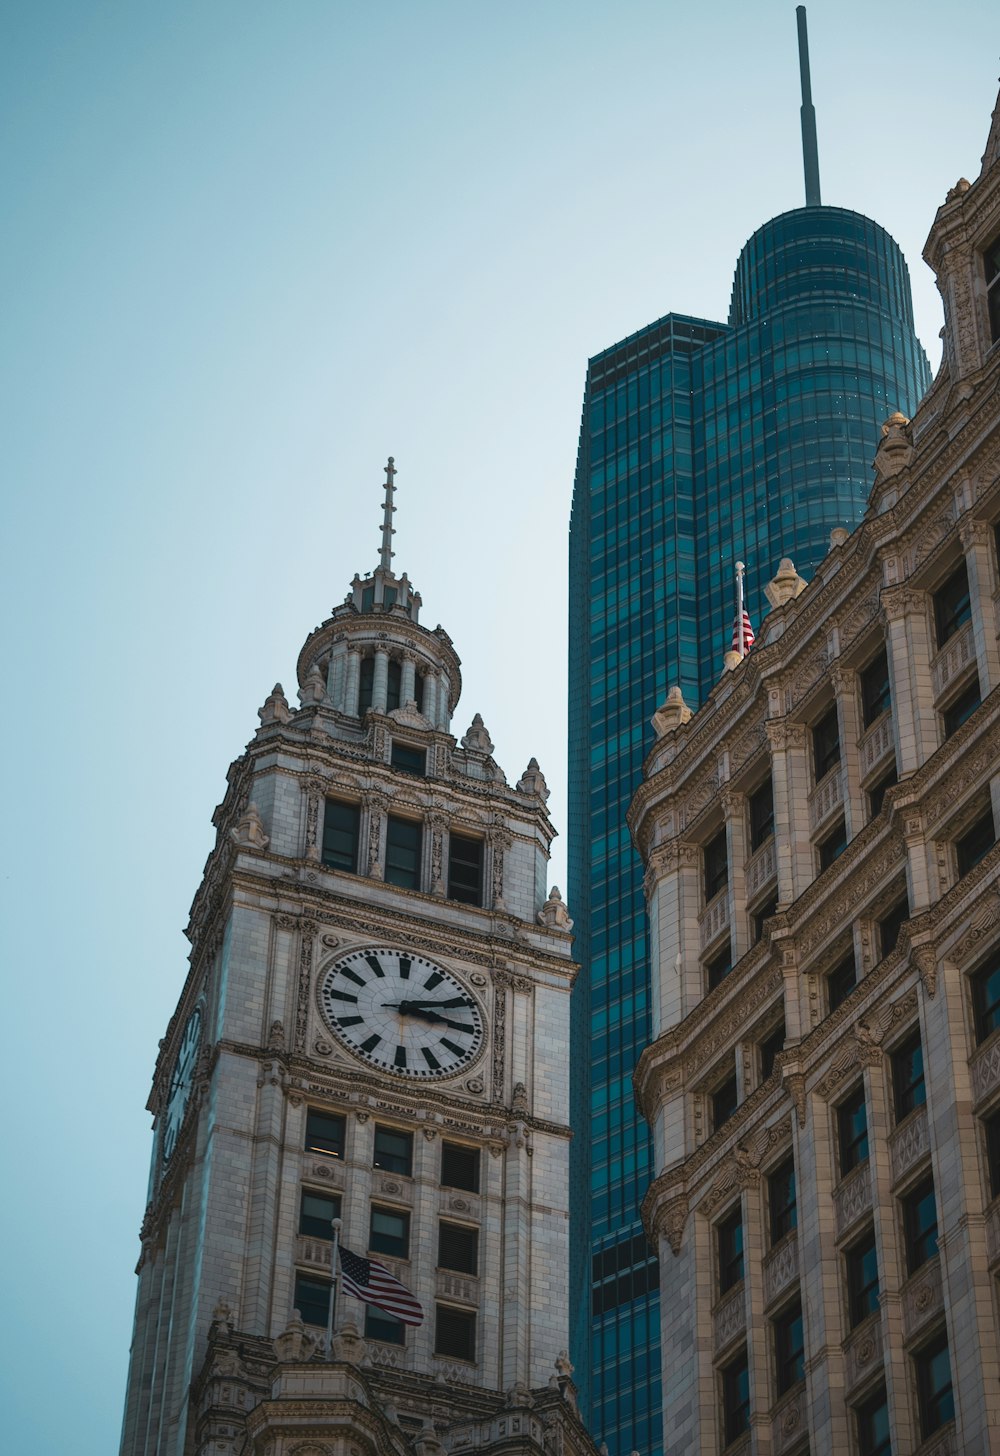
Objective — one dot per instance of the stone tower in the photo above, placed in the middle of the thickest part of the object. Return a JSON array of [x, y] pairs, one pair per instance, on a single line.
[[375, 1028]]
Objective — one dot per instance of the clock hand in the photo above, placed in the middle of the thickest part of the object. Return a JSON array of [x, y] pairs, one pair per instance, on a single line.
[[454, 1001], [415, 1008]]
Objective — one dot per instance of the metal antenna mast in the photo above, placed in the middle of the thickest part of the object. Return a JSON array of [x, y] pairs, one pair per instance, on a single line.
[[810, 153], [388, 531]]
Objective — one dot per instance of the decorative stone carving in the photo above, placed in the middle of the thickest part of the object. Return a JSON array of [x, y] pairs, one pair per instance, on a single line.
[[307, 931], [909, 1143], [671, 714], [275, 709], [248, 832], [794, 1084], [673, 1220], [852, 1198], [924, 957], [923, 1297], [790, 1422], [554, 913], [477, 740], [313, 689], [532, 781], [781, 1268], [785, 585], [863, 1352], [729, 1319], [986, 1070], [895, 450], [983, 926], [499, 1041]]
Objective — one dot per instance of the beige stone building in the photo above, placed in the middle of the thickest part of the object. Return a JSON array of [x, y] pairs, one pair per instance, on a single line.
[[823, 886], [375, 1029]]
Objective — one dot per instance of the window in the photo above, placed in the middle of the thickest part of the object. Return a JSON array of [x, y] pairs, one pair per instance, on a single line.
[[952, 606], [729, 1245], [317, 1212], [841, 981], [991, 1125], [724, 1102], [340, 835], [366, 681], [875, 699], [789, 1350], [890, 925], [962, 709], [718, 968], [312, 1300], [920, 1225], [937, 1403], [408, 759], [379, 1326], [852, 1128], [833, 846], [465, 869], [455, 1333], [976, 842], [394, 679], [716, 865], [393, 1151], [908, 1087], [325, 1133], [877, 792], [862, 1279], [991, 264], [389, 1232], [735, 1398], [458, 1248], [781, 1200], [757, 919], [403, 841], [874, 1437], [826, 744], [761, 814], [460, 1167], [769, 1049], [986, 998]]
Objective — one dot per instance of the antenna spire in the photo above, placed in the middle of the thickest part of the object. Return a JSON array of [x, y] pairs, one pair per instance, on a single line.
[[387, 511], [810, 153]]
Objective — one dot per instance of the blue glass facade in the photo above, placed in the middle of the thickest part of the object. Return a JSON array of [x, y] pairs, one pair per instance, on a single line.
[[701, 443]]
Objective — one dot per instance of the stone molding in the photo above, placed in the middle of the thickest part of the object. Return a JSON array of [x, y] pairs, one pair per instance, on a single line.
[[909, 1144], [729, 1319], [781, 1268], [852, 1198]]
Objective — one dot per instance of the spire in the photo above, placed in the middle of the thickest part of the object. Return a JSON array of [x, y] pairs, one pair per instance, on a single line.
[[810, 153], [385, 560]]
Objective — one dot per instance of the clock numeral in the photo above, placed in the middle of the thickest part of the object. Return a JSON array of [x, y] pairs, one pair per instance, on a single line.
[[399, 1060], [453, 1046], [430, 1059], [371, 1043], [348, 1020], [404, 967], [373, 962], [352, 975], [434, 979], [341, 996]]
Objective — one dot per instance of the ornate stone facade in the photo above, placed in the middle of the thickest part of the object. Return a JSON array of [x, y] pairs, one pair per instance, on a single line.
[[825, 1096]]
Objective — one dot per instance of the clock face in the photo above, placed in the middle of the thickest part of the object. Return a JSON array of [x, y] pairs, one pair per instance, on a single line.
[[401, 1013], [179, 1092]]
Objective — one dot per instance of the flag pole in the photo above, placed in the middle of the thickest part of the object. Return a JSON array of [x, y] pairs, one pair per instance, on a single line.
[[740, 569], [336, 1225]]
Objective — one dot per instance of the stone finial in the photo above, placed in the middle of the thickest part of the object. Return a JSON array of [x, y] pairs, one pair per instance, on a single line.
[[428, 1442], [785, 585], [554, 913], [313, 690], [518, 1396], [348, 1345], [960, 188], [671, 714], [222, 1321], [477, 739], [275, 709], [895, 449], [248, 832], [731, 661], [532, 781], [839, 536], [294, 1343]]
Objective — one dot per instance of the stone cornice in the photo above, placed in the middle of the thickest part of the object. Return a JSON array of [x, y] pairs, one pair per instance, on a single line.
[[391, 630]]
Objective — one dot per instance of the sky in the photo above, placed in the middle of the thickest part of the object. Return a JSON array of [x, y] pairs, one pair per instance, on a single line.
[[250, 250]]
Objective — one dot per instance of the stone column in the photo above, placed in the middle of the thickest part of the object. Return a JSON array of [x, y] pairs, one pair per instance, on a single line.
[[408, 688], [336, 675], [735, 806], [515, 1344], [430, 695], [790, 779], [352, 683], [845, 685], [443, 718], [380, 680], [975, 538], [908, 646], [673, 898]]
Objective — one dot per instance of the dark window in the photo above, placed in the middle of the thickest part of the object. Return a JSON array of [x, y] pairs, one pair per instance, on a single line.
[[403, 840], [877, 792], [389, 1232], [862, 1279], [890, 925], [875, 698], [937, 1403], [393, 682], [841, 981], [458, 1248], [952, 606], [962, 709], [826, 744], [312, 1300], [781, 1200], [366, 682], [455, 1333], [789, 1350], [409, 760], [908, 1087], [368, 599], [991, 1125], [393, 1151], [465, 869], [379, 1326], [388, 600], [716, 865], [852, 1128], [316, 1213], [460, 1167], [724, 1102], [718, 968], [874, 1437], [758, 917], [729, 1241], [976, 842], [772, 1044], [986, 998], [991, 264], [325, 1133], [735, 1398], [761, 814], [833, 846], [920, 1225], [340, 835]]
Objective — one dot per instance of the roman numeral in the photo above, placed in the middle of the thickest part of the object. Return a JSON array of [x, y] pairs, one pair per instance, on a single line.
[[341, 996], [432, 980], [404, 967], [371, 1043], [430, 1059], [373, 962], [399, 1059]]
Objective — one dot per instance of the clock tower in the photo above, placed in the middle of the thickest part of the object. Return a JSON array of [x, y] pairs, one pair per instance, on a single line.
[[374, 1029]]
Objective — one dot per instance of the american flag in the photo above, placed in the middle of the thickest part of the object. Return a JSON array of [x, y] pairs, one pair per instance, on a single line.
[[371, 1281], [748, 638]]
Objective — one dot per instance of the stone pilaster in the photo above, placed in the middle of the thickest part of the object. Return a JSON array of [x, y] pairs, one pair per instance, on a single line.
[[845, 686], [735, 806], [975, 538], [908, 646], [790, 779]]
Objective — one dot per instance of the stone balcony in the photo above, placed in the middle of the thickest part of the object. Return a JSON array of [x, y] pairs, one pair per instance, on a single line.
[[826, 798], [954, 657], [852, 1198], [761, 869], [877, 746], [714, 919]]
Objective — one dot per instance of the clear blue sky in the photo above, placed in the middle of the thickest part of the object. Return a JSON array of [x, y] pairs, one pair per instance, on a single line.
[[250, 249]]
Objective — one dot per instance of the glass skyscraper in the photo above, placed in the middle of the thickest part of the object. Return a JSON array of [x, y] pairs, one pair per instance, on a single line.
[[701, 443]]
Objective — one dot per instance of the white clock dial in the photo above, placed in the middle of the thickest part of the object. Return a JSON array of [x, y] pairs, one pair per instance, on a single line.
[[179, 1091], [401, 1013]]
